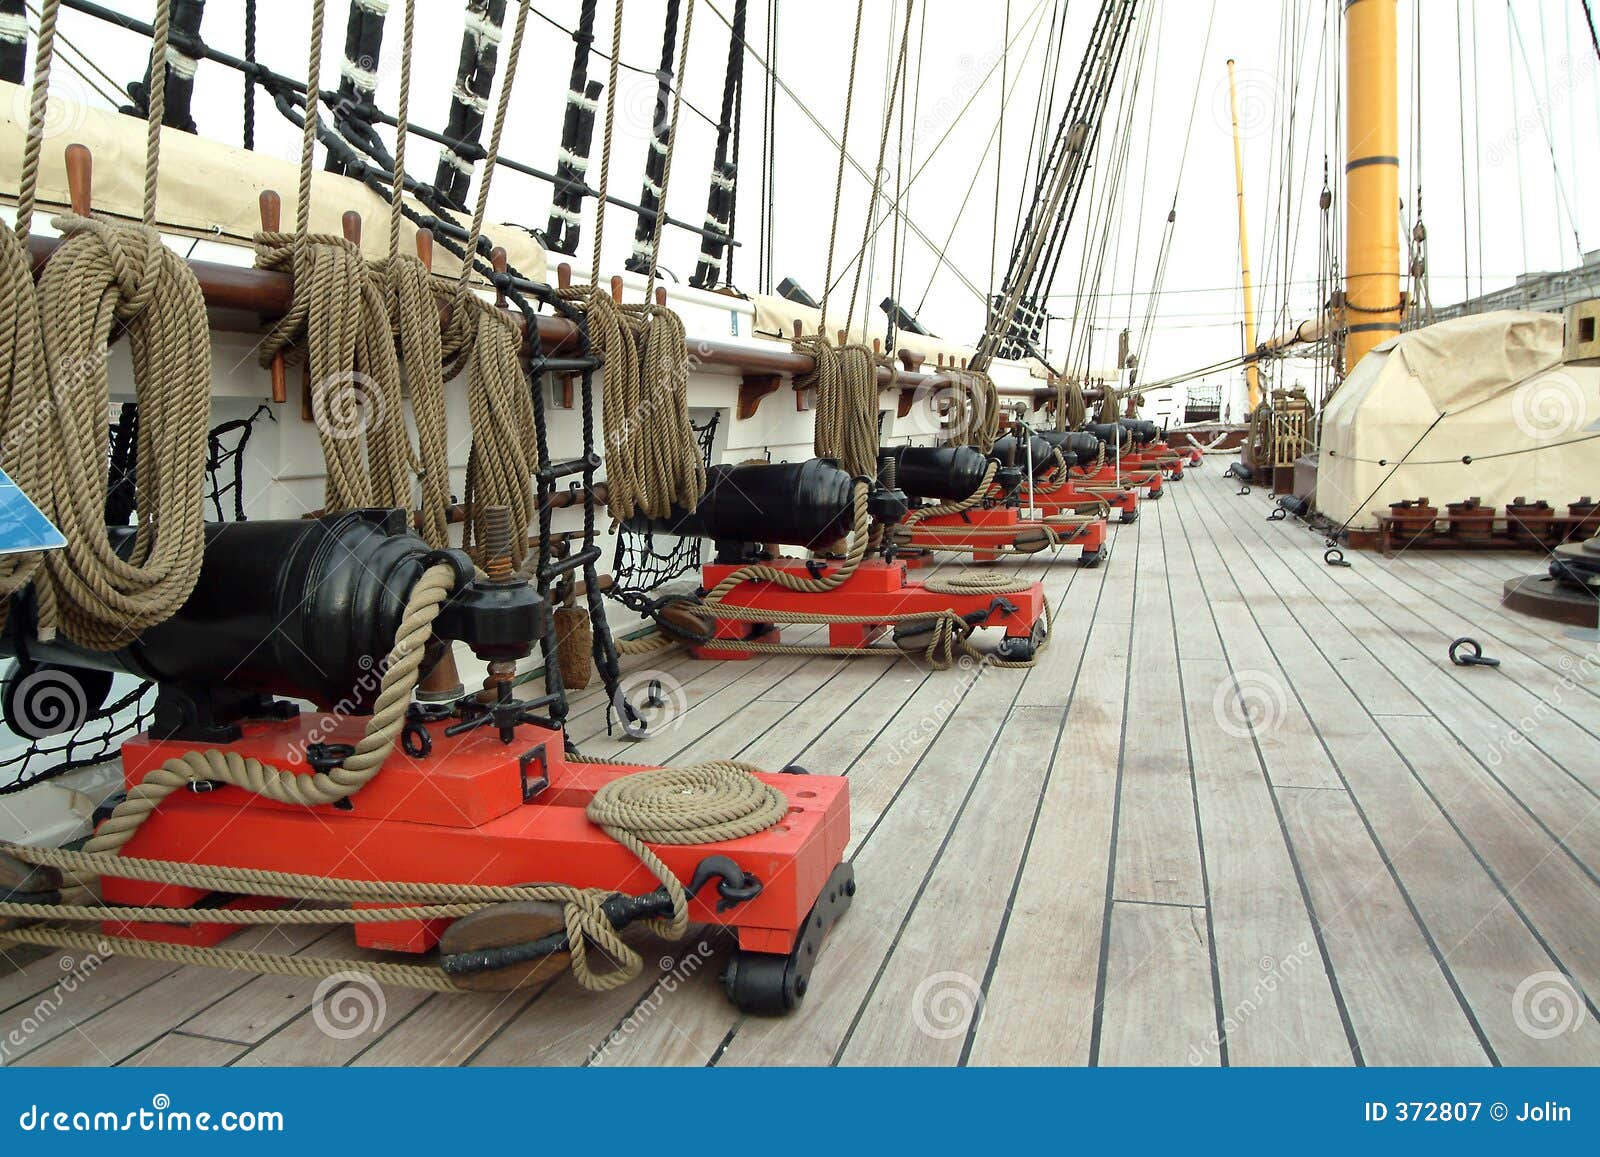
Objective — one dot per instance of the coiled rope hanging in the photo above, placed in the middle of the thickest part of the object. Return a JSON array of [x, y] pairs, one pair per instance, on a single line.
[[106, 277], [653, 459], [845, 379], [488, 342], [338, 320], [409, 293], [24, 388]]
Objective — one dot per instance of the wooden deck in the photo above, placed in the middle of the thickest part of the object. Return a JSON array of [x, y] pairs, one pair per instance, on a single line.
[[1244, 811]]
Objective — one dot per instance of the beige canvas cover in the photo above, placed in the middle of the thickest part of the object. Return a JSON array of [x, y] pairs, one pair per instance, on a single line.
[[205, 188], [775, 318], [1493, 389]]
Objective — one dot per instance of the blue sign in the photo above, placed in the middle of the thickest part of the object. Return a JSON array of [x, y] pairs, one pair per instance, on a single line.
[[22, 526]]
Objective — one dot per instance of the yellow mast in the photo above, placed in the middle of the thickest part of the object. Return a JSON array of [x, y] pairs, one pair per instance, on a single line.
[[1373, 305], [1252, 375]]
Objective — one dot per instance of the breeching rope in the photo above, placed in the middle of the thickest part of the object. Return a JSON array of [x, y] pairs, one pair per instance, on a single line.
[[106, 275], [939, 636], [338, 321]]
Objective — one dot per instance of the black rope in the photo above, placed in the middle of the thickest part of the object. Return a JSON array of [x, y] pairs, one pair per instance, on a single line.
[[577, 135], [469, 100], [643, 258], [724, 172], [249, 76], [13, 41], [177, 105], [363, 49]]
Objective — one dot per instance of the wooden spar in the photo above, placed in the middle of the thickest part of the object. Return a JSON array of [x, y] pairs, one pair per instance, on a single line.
[[1252, 373]]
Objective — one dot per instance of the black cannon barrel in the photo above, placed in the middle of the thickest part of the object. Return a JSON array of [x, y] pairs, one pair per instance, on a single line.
[[1143, 432], [1061, 442], [303, 608], [808, 504], [945, 473], [1111, 434], [1009, 450]]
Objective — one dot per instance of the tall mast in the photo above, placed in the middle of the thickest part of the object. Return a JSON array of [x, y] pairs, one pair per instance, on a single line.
[[1373, 305], [1252, 373]]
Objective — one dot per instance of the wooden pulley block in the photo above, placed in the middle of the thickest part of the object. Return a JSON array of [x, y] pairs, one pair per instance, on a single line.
[[687, 619], [574, 644], [505, 926], [1030, 542]]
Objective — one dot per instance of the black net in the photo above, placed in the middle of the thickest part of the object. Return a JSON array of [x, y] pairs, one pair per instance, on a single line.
[[225, 446], [641, 563], [95, 740], [97, 728]]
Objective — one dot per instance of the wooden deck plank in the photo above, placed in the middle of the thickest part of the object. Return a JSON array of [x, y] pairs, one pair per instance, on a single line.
[[1484, 940], [1158, 848], [1401, 1003], [1159, 1007], [1052, 940], [920, 1008], [112, 1034], [180, 1050], [1261, 928], [891, 866]]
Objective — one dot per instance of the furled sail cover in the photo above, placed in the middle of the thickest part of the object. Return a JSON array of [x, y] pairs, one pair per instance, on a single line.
[[1527, 422], [207, 189]]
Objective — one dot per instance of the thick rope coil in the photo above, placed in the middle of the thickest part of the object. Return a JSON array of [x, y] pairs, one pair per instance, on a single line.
[[339, 321], [25, 402], [1072, 410], [845, 379], [653, 459], [980, 398], [703, 804], [107, 276], [505, 452], [409, 293]]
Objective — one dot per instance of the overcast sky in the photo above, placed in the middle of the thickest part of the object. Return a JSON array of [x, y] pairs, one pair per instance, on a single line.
[[1528, 113]]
